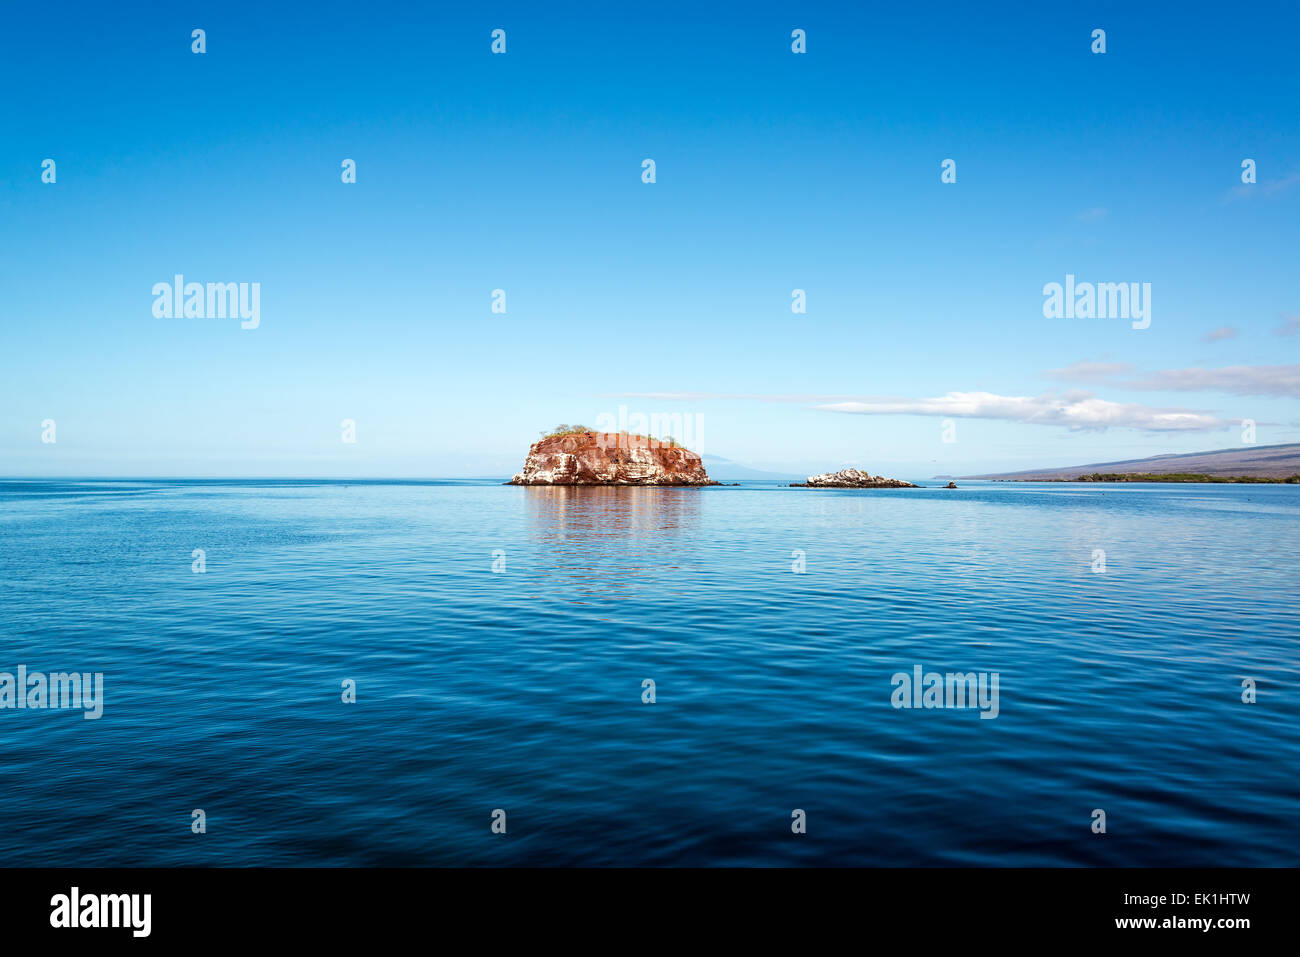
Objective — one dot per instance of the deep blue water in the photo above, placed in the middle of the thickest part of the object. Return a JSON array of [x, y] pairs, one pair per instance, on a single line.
[[522, 690]]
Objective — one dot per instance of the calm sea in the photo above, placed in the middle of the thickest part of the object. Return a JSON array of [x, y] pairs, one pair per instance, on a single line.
[[499, 639]]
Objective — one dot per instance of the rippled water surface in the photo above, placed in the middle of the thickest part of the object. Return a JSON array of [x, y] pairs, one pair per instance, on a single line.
[[522, 689]]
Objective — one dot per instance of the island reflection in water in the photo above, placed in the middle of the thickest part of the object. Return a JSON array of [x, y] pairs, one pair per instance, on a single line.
[[609, 540]]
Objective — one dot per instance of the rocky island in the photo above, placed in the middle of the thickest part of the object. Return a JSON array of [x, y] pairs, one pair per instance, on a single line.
[[573, 455], [851, 478]]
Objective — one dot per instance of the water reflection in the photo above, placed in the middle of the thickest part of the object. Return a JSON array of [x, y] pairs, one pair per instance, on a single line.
[[610, 540], [599, 513]]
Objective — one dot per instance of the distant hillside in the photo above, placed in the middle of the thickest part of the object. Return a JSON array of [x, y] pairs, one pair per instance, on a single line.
[[1259, 461], [725, 470]]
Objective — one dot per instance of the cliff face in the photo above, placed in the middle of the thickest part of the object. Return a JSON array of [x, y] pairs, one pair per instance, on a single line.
[[851, 478], [609, 458]]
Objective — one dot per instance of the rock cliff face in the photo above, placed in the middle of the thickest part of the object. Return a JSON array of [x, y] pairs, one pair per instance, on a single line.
[[851, 478], [609, 458]]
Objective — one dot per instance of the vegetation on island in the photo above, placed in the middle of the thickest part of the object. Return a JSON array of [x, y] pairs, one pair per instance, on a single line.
[[565, 430], [562, 429]]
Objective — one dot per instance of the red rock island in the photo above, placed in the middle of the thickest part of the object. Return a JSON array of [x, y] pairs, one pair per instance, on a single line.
[[610, 458]]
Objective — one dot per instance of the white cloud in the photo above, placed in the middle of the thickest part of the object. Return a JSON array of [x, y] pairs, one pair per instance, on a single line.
[[1074, 411]]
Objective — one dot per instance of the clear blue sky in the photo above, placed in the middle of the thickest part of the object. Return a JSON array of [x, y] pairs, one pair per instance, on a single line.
[[522, 172]]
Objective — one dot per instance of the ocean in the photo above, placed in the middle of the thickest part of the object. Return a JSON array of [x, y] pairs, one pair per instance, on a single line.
[[500, 643]]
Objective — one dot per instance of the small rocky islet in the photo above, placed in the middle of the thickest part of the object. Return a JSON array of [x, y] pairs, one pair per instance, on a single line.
[[851, 478]]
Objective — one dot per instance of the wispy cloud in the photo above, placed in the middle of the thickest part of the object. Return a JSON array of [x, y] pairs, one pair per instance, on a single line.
[[1076, 411], [726, 396], [1280, 381], [1073, 410], [1275, 381], [1094, 215], [1272, 187], [1087, 371], [1219, 334], [1290, 327]]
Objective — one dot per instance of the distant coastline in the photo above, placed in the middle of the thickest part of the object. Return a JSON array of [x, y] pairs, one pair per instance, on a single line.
[[1255, 463], [1169, 477]]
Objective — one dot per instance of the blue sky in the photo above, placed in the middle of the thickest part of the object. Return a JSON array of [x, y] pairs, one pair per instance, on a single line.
[[522, 172]]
